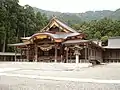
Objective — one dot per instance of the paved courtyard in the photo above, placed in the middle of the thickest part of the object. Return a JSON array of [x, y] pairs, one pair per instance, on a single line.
[[58, 76]]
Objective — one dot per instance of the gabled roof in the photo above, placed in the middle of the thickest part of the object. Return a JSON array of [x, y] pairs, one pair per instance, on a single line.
[[65, 26], [61, 24]]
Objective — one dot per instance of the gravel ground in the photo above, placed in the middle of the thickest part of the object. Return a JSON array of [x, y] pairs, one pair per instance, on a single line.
[[82, 71], [109, 71], [43, 66], [15, 83]]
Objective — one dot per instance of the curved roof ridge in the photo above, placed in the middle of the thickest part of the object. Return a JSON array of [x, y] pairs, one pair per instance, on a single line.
[[63, 36]]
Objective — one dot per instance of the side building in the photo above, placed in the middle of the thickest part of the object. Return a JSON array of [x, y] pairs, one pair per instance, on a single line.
[[112, 51]]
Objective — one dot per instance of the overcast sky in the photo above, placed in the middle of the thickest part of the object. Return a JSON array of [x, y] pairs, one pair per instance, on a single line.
[[76, 6]]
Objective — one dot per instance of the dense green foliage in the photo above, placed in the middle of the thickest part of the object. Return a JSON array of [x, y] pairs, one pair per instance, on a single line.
[[99, 29], [18, 21]]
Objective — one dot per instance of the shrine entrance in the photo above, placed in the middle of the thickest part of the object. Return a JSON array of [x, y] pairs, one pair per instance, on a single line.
[[46, 53], [46, 49]]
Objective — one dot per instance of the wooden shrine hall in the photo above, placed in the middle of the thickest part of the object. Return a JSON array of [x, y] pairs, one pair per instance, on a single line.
[[57, 42]]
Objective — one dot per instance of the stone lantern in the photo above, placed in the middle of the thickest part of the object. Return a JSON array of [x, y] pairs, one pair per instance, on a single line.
[[77, 49]]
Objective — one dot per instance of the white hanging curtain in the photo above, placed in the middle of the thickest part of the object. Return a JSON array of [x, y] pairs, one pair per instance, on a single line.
[[45, 47]]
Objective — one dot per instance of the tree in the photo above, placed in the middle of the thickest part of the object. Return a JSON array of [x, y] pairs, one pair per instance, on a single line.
[[41, 21], [17, 21], [97, 35], [104, 40]]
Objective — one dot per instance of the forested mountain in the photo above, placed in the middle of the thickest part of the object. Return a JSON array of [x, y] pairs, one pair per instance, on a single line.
[[80, 17]]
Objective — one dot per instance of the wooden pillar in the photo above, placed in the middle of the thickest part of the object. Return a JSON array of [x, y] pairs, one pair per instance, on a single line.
[[21, 54], [91, 53], [55, 52], [70, 56], [12, 58], [95, 53], [85, 53], [88, 53], [27, 54], [61, 57], [15, 54], [66, 54], [61, 53], [5, 58], [36, 53]]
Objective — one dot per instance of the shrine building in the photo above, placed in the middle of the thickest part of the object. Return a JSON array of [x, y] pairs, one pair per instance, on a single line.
[[57, 42]]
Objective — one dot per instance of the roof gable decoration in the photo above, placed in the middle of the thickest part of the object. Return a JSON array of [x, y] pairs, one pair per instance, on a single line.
[[55, 22]]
